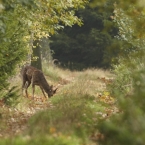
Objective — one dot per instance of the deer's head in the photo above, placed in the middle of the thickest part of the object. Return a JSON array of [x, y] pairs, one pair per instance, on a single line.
[[51, 91]]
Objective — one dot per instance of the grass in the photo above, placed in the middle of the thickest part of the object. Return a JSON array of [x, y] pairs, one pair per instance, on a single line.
[[75, 113]]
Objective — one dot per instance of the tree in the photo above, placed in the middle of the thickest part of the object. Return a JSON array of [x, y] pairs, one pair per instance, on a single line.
[[36, 55], [128, 86], [88, 45], [12, 49], [20, 18]]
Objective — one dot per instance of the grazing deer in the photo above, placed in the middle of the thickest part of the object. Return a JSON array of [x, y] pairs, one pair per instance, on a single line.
[[36, 77]]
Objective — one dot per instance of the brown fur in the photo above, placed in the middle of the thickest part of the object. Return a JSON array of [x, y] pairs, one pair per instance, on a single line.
[[36, 77]]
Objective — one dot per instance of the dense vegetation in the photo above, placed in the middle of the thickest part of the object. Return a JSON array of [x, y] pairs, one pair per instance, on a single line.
[[70, 117], [23, 22], [89, 45], [82, 112]]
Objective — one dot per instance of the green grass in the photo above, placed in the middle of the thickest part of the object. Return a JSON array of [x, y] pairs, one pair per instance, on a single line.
[[75, 113], [72, 116], [76, 108], [45, 140]]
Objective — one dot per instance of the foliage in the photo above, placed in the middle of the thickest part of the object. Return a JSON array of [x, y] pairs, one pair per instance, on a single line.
[[22, 21], [69, 117], [10, 98], [78, 110], [131, 116], [128, 87], [96, 43], [132, 58], [86, 46], [47, 140], [10, 51]]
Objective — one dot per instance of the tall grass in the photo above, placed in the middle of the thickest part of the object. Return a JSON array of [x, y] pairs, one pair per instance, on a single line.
[[75, 106], [75, 113]]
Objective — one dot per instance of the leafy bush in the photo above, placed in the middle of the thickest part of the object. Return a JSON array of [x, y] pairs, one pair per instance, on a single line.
[[71, 115], [45, 140], [131, 116], [10, 98], [128, 126]]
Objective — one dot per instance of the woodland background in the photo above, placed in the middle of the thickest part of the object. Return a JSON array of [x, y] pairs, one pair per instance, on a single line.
[[94, 50]]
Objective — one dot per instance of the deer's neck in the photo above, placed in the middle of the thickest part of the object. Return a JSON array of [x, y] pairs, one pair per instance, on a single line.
[[45, 85]]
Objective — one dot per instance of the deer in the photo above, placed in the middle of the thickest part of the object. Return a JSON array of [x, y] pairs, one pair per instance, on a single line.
[[35, 76]]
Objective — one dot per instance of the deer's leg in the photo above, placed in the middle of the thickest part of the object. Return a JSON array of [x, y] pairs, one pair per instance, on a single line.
[[24, 83], [33, 90], [26, 87], [23, 86], [43, 92]]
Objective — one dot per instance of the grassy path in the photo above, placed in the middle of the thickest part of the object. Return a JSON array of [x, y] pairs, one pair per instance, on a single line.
[[76, 108], [14, 120]]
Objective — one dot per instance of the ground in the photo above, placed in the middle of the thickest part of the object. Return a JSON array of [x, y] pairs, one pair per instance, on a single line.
[[14, 120]]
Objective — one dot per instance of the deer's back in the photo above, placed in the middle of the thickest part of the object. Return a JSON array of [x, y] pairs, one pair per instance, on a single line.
[[35, 75], [38, 78]]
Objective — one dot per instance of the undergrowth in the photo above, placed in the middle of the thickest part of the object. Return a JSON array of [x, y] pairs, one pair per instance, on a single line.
[[75, 114]]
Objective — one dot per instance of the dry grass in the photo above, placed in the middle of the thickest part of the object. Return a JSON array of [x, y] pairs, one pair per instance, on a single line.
[[87, 81], [74, 110], [75, 103], [69, 82]]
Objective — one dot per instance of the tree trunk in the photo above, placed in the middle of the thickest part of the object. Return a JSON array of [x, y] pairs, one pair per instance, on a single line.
[[36, 53]]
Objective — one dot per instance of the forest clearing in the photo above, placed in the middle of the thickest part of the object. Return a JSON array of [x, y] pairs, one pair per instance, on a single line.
[[70, 115], [92, 52]]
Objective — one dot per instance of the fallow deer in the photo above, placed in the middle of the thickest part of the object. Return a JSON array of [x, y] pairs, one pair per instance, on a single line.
[[35, 76]]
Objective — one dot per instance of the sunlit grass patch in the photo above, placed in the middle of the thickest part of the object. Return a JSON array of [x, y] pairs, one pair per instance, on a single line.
[[51, 73], [55, 139], [73, 113], [56, 74]]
